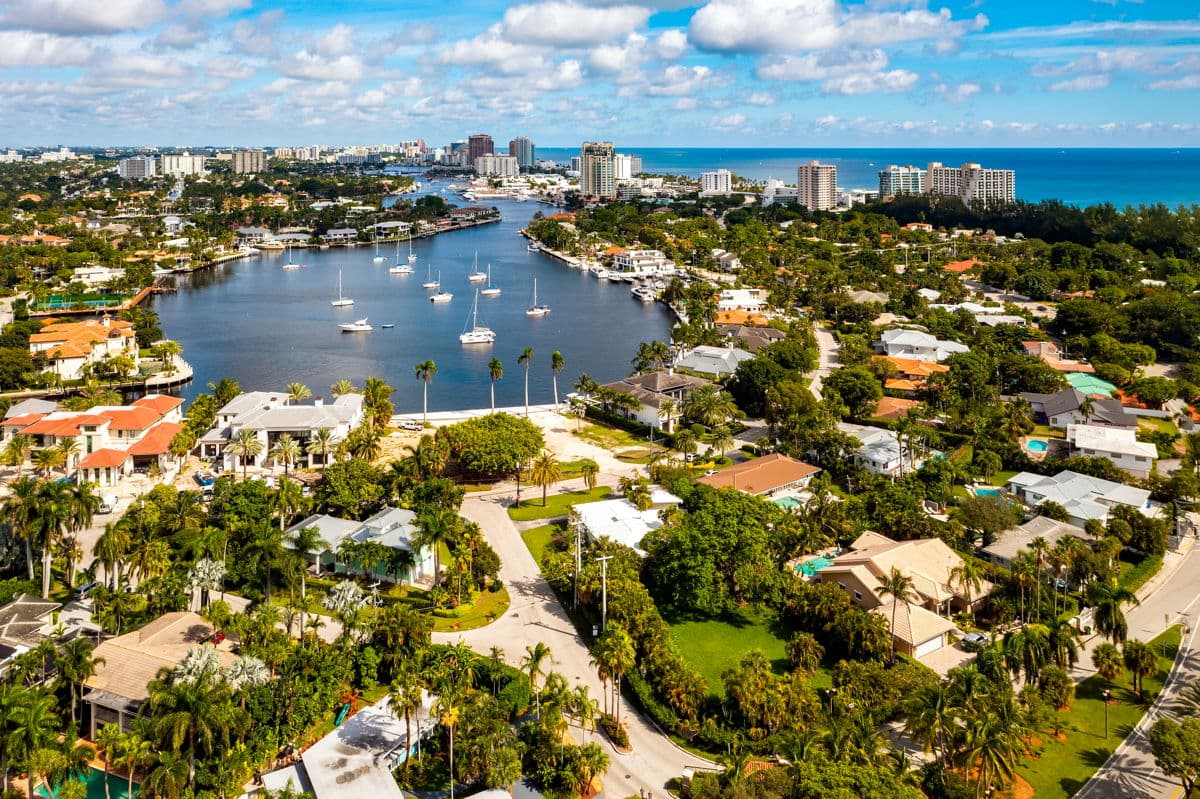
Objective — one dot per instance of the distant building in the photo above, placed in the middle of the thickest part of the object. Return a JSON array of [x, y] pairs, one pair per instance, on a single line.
[[896, 180], [776, 191], [597, 176], [623, 166], [498, 165], [183, 165], [479, 145], [816, 186], [971, 183], [136, 168], [719, 181], [523, 150], [917, 345], [249, 162]]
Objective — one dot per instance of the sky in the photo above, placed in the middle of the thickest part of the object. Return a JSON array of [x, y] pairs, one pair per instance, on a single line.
[[782, 73]]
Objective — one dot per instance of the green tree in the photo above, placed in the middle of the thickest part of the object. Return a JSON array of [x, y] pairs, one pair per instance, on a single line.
[[1140, 661], [525, 359], [321, 442], [286, 451], [425, 371], [495, 372], [557, 364], [1107, 599], [589, 469], [1176, 748], [1107, 660], [437, 527], [899, 586], [297, 393], [533, 664], [857, 389], [245, 446], [545, 470]]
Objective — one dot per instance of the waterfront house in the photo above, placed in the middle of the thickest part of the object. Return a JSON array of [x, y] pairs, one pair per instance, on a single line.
[[1085, 497], [753, 300], [250, 236], [768, 476], [392, 528], [391, 229], [917, 345], [94, 275], [1064, 408], [68, 348], [652, 390], [1119, 445], [1012, 542], [340, 235], [269, 415], [642, 263], [712, 361]]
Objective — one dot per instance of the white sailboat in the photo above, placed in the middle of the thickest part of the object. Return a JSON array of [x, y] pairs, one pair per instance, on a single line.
[[534, 308], [476, 276], [290, 265], [476, 334], [379, 257], [400, 268], [359, 326], [342, 300], [441, 296], [430, 283], [412, 257], [490, 291]]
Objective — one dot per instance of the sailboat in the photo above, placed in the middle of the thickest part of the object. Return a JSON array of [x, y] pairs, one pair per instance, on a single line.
[[412, 258], [290, 265], [534, 309], [430, 283], [379, 257], [476, 334], [359, 326], [399, 268], [490, 291], [476, 276], [342, 299]]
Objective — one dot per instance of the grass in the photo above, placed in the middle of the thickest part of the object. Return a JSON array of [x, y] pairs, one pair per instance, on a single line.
[[713, 645], [1060, 768], [556, 504], [610, 438], [1154, 425], [1046, 431], [488, 606], [1134, 576], [539, 539]]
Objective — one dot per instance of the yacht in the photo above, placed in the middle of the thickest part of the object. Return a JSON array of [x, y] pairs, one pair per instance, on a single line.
[[412, 258], [474, 333], [532, 247], [290, 265], [359, 326], [476, 276], [600, 272], [342, 299], [644, 293], [534, 309], [441, 296], [379, 257], [430, 283], [490, 291]]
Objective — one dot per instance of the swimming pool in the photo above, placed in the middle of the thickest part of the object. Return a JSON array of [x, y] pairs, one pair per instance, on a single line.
[[1036, 445], [811, 567], [788, 503], [987, 492], [118, 786]]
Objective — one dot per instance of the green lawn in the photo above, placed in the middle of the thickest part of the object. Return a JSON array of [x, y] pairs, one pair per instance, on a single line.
[[1060, 768], [611, 438], [1046, 431], [488, 606], [538, 540], [714, 645], [556, 504], [1151, 425]]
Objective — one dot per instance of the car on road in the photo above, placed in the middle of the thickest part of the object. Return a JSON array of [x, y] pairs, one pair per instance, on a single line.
[[973, 642], [411, 424]]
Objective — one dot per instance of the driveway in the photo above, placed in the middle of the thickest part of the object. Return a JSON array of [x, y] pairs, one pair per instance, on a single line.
[[827, 359]]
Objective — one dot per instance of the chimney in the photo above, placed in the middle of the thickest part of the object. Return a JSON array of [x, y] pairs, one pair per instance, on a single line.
[[319, 402], [106, 320]]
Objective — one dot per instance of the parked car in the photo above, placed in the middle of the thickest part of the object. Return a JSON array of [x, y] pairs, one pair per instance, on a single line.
[[108, 504], [973, 642]]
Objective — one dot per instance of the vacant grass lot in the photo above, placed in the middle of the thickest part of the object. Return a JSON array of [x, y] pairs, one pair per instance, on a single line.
[[556, 504], [538, 540]]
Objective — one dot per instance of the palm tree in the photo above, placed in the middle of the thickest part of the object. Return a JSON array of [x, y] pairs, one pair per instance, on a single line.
[[709, 406], [33, 725], [108, 739], [404, 699], [68, 448], [22, 511], [321, 442], [111, 549], [133, 752], [899, 586], [245, 446], [286, 451], [1087, 406], [1140, 660], [621, 658], [197, 716], [666, 410], [1108, 661], [182, 444], [297, 393], [722, 440], [342, 388], [436, 528], [588, 469], [685, 442], [1107, 599], [968, 577], [930, 718], [76, 664], [495, 372], [169, 777], [995, 737], [266, 547], [535, 658], [306, 541], [556, 366], [224, 391], [377, 401], [1064, 642], [44, 460], [17, 450], [1039, 547], [54, 502], [1028, 649], [524, 359], [543, 471], [425, 371]]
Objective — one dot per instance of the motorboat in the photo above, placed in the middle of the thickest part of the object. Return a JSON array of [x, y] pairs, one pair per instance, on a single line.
[[342, 300], [430, 283], [644, 293], [600, 272], [441, 296], [490, 291], [532, 247], [534, 308], [476, 333], [476, 276], [387, 327], [359, 326]]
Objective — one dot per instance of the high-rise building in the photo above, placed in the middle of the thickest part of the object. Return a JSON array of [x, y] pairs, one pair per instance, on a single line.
[[136, 168], [249, 162], [901, 180], [181, 165], [719, 181], [504, 166], [623, 167], [816, 186], [523, 150], [971, 183], [597, 179], [479, 144]]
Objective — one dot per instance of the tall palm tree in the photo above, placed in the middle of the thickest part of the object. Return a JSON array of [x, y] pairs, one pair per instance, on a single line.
[[111, 549], [286, 451], [437, 527], [133, 752], [266, 547], [1064, 642], [685, 442], [495, 372], [425, 371], [68, 448], [621, 657], [306, 541], [321, 442], [377, 400], [1107, 599], [17, 450], [1140, 660], [588, 470], [21, 510], [1028, 649], [54, 502], [108, 739], [899, 586], [33, 725], [169, 775], [524, 359], [1039, 547], [532, 664], [557, 364], [722, 440], [297, 393], [342, 388], [545, 470], [1108, 661], [967, 576], [224, 391], [404, 700], [245, 446], [197, 717], [666, 410], [76, 663], [1087, 406], [287, 501]]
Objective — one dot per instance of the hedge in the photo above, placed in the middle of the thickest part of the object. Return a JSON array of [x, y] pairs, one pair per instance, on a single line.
[[1140, 574]]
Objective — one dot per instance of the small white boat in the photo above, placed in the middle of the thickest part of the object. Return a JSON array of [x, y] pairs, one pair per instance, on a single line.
[[490, 291], [643, 293], [400, 269], [600, 272], [475, 333], [342, 300], [290, 265], [476, 276], [159, 272], [534, 308], [430, 283], [379, 257], [359, 326], [532, 247], [441, 296]]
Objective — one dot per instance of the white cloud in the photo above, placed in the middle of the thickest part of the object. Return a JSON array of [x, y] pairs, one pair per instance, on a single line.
[[1081, 83], [228, 68], [338, 41], [897, 80], [761, 98], [489, 49], [1186, 82], [793, 25], [730, 122], [671, 44], [179, 37], [569, 24], [614, 58], [134, 70], [83, 16], [313, 66], [677, 80], [960, 93], [818, 66], [684, 104], [25, 49]]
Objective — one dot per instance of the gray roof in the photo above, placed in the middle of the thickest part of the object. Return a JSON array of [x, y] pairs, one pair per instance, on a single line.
[[1011, 542], [33, 405], [1081, 492], [392, 527], [22, 619], [713, 360], [1104, 411]]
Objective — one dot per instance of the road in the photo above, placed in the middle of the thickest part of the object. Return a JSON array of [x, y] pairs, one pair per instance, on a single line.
[[827, 359]]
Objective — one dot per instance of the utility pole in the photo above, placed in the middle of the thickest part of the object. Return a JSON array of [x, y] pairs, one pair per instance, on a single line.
[[575, 603], [604, 592]]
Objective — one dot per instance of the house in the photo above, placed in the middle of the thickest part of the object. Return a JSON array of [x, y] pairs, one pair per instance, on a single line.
[[642, 262], [959, 267], [70, 349], [340, 235], [652, 390], [1012, 542], [1049, 353], [880, 452], [94, 275], [1083, 496], [391, 228], [919, 227], [249, 236], [620, 520], [862, 297], [1119, 445], [766, 476], [892, 408], [1063, 408], [726, 261], [752, 300], [24, 623], [917, 632], [269, 415], [749, 337], [912, 375], [712, 361], [1090, 384], [393, 528], [127, 664], [917, 345]]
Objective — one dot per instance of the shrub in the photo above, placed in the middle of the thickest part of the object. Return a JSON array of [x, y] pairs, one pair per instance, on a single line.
[[614, 731]]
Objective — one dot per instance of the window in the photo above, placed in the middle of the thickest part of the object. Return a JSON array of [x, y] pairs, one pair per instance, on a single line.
[[842, 586], [858, 596]]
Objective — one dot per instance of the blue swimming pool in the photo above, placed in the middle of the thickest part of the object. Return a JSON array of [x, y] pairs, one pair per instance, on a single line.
[[811, 567], [118, 787], [1036, 445], [987, 492], [788, 503]]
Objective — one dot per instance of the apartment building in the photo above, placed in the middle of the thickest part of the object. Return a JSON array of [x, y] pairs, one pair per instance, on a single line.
[[971, 183], [716, 182], [597, 175], [816, 186]]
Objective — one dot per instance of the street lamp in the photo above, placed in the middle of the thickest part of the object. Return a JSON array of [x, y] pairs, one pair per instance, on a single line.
[[1106, 694], [832, 692], [604, 592]]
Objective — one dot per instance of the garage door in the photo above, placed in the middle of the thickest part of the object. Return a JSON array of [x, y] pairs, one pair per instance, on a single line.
[[932, 645]]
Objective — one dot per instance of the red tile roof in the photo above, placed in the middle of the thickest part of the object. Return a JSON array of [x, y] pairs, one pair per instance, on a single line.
[[22, 420], [103, 458], [163, 403], [63, 426], [963, 266], [137, 417], [761, 475], [157, 441]]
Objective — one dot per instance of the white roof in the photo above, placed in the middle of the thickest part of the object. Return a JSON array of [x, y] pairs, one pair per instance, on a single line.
[[1081, 492], [1115, 440], [618, 520], [713, 360]]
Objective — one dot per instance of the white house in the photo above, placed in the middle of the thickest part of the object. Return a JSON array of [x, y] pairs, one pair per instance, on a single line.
[[1083, 496], [715, 361], [653, 390], [95, 275], [620, 520], [1064, 408], [917, 345], [726, 261], [392, 528], [642, 263], [880, 452], [742, 300], [1119, 445]]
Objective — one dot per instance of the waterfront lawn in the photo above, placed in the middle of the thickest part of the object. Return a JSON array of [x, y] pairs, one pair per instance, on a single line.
[[539, 540], [713, 645], [556, 504], [610, 438], [1061, 767]]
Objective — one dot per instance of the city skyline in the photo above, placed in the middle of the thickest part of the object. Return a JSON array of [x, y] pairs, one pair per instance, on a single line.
[[767, 73]]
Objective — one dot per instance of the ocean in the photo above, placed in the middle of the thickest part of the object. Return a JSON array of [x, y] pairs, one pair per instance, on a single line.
[[1078, 176]]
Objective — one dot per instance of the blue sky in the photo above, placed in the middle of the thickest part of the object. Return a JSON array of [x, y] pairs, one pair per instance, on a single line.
[[656, 72]]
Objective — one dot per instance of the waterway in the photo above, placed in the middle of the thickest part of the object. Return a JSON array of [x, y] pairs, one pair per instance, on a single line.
[[265, 327]]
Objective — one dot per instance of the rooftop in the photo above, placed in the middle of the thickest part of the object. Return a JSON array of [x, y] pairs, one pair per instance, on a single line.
[[761, 475]]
